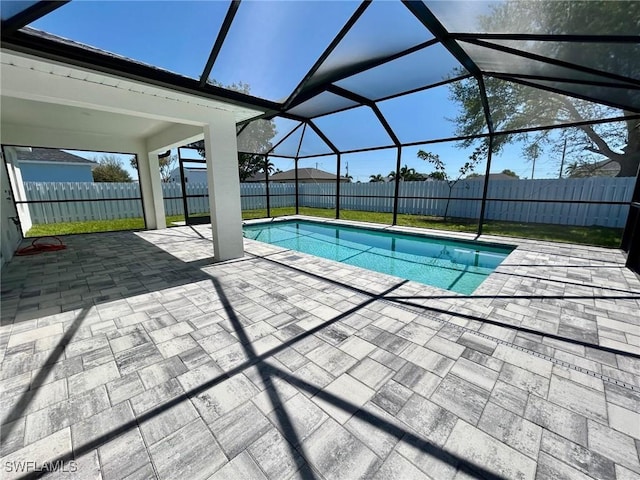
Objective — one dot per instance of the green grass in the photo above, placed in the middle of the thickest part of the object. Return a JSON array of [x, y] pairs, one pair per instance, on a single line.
[[92, 226], [66, 228], [601, 236]]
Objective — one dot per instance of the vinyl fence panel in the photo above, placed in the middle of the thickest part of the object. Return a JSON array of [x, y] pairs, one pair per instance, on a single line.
[[98, 201]]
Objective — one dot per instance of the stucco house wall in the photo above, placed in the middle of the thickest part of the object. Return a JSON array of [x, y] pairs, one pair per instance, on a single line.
[[191, 175], [49, 172], [53, 165]]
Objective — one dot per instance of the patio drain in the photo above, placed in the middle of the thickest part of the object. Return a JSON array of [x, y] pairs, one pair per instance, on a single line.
[[555, 361]]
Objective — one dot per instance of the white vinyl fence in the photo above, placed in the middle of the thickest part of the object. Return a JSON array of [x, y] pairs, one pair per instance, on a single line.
[[416, 198]]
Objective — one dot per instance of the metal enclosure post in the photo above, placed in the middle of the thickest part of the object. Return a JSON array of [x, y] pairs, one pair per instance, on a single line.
[[631, 234], [183, 184], [297, 199], [338, 187], [485, 188], [633, 217], [396, 193], [304, 129], [266, 183]]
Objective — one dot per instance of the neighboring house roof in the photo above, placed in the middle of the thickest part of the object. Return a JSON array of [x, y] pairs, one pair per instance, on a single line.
[[258, 177], [495, 176], [51, 155], [288, 176], [303, 174], [604, 168]]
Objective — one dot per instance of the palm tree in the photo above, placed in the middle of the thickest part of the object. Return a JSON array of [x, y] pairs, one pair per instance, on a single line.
[[406, 174], [270, 167], [377, 178]]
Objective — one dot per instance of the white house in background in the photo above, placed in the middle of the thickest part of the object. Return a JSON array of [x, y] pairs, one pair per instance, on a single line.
[[53, 165], [191, 175], [305, 175]]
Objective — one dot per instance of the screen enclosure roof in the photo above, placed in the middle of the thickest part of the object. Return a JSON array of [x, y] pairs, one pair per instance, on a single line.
[[346, 76]]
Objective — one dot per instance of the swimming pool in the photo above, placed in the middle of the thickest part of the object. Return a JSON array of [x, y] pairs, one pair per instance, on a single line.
[[459, 266]]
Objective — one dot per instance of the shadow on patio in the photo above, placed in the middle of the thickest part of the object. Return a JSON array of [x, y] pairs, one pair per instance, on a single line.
[[135, 335]]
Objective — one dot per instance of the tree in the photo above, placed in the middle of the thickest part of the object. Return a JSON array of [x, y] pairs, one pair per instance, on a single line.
[[406, 174], [270, 167], [511, 173], [438, 164], [377, 178], [110, 169], [582, 169], [256, 137], [516, 106], [436, 175], [166, 162]]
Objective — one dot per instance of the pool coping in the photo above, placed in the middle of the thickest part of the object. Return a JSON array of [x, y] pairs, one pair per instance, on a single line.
[[497, 240], [520, 245], [412, 231]]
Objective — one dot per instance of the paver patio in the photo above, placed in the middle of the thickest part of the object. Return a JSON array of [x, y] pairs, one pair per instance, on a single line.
[[136, 357]]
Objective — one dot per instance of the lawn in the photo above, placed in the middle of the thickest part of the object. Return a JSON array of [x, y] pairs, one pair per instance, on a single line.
[[92, 226], [601, 236]]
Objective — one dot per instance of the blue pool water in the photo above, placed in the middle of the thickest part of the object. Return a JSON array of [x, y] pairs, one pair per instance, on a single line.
[[459, 266]]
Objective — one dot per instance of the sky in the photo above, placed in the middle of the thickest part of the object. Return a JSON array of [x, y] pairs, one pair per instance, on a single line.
[[271, 45]]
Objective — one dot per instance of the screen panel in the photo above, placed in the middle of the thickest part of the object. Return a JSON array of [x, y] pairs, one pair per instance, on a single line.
[[258, 136], [325, 102], [182, 33], [546, 186], [9, 9], [354, 129], [425, 67], [368, 195], [312, 144], [271, 47], [441, 185], [431, 114], [546, 17], [617, 58], [627, 98], [496, 61], [516, 106], [385, 28]]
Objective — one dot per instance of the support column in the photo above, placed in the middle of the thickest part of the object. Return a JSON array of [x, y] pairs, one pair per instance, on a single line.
[[9, 234], [15, 177], [151, 189], [224, 186]]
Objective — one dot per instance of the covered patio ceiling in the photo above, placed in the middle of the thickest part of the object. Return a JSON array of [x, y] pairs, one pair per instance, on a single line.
[[330, 63], [96, 107]]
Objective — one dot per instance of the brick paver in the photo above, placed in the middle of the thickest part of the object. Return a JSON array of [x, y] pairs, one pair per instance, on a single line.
[[132, 354]]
